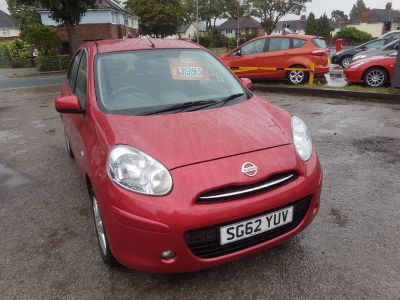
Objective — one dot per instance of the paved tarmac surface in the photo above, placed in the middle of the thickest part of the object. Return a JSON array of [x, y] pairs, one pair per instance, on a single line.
[[49, 250]]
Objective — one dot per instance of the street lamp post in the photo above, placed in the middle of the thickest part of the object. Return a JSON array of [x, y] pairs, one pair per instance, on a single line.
[[238, 25], [197, 21]]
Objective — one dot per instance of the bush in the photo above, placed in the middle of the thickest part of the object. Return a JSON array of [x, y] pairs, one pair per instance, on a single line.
[[52, 63], [16, 49], [46, 39], [354, 35]]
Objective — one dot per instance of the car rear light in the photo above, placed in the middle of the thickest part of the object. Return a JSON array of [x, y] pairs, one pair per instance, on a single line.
[[319, 52]]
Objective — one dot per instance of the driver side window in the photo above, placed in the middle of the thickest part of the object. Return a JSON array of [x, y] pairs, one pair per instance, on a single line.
[[81, 81], [254, 47]]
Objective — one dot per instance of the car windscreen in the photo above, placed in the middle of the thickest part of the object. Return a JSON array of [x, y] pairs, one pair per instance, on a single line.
[[143, 81], [320, 43]]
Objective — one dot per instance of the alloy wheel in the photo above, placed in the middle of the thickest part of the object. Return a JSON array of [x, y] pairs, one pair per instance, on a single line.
[[296, 77], [375, 78], [346, 62]]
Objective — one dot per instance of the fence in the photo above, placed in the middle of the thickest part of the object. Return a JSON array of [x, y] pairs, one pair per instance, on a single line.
[[311, 71], [53, 63], [5, 61]]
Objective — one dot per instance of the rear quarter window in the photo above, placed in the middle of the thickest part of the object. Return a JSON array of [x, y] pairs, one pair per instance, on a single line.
[[320, 43], [298, 43]]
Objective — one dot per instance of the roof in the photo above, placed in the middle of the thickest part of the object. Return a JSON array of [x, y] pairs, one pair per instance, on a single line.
[[244, 22], [184, 28], [106, 46], [383, 15], [104, 4], [6, 21]]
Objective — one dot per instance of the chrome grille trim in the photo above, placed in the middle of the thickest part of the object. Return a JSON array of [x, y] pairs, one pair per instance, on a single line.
[[263, 186]]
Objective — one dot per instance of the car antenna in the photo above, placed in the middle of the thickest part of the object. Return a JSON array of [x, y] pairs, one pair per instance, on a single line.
[[152, 44]]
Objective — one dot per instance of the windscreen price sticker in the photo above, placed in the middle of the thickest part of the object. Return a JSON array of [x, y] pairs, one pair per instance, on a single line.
[[188, 72]]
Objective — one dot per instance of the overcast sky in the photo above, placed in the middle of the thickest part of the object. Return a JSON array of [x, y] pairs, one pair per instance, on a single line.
[[317, 6]]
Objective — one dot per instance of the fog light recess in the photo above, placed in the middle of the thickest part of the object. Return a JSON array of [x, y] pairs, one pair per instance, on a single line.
[[168, 254]]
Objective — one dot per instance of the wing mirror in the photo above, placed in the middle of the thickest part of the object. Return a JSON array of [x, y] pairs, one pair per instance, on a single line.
[[247, 83], [69, 105]]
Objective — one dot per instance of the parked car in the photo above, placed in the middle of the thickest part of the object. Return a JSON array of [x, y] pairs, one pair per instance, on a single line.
[[345, 56], [280, 51], [185, 167], [376, 71], [392, 34], [389, 48]]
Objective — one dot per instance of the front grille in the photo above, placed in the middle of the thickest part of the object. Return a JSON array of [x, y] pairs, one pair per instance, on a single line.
[[236, 192], [205, 243]]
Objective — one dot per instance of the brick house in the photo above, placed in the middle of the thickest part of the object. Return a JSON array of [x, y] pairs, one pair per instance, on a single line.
[[9, 27], [247, 25], [375, 20], [108, 21], [299, 26]]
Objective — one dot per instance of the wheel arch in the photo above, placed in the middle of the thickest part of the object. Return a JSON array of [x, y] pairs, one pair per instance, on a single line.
[[376, 67]]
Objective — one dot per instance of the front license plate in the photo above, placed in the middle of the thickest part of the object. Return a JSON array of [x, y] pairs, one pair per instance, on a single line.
[[245, 229]]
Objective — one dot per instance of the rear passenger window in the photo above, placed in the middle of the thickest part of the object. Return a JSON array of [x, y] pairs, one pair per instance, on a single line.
[[298, 43], [276, 44], [81, 81], [73, 69]]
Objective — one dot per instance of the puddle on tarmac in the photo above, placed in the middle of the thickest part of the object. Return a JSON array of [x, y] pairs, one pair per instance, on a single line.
[[10, 178], [6, 136]]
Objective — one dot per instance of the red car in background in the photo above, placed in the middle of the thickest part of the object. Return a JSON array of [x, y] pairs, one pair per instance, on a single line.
[[280, 51], [376, 71], [185, 167]]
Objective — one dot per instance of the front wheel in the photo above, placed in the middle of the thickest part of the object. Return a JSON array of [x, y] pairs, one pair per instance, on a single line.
[[345, 61], [297, 77], [376, 77], [104, 246]]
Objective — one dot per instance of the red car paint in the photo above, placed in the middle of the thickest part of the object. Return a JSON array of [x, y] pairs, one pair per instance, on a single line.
[[302, 56], [203, 150], [355, 72]]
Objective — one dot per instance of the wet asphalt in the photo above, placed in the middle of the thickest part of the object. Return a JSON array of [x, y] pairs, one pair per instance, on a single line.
[[48, 247]]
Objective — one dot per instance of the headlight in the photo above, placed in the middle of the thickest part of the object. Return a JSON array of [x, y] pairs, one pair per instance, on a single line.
[[358, 57], [138, 172], [301, 138]]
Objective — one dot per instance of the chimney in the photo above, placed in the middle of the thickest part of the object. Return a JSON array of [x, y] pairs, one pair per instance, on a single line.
[[303, 18], [365, 15], [389, 6]]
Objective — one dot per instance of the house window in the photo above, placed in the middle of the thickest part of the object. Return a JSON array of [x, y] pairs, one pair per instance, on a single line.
[[242, 30], [6, 32], [250, 30], [229, 31]]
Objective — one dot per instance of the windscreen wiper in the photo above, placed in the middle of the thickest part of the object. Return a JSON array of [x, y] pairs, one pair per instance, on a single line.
[[180, 107], [230, 98]]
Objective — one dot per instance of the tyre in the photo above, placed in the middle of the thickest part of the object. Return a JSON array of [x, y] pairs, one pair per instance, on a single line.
[[297, 77], [345, 61], [102, 239], [68, 145], [376, 77]]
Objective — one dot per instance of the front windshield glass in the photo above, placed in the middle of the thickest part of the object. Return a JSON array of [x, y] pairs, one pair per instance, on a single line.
[[139, 82]]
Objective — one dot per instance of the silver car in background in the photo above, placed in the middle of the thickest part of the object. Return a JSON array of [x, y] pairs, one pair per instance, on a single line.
[[385, 50]]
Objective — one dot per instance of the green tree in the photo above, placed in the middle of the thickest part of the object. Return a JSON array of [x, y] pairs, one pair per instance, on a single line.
[[68, 12], [158, 18], [271, 11], [357, 10], [212, 10], [24, 14], [46, 39], [16, 49], [354, 35], [336, 14], [323, 26], [311, 26]]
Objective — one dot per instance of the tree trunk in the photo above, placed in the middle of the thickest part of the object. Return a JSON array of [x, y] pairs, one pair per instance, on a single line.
[[71, 30]]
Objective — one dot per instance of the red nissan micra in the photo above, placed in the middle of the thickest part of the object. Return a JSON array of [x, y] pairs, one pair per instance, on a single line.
[[185, 167]]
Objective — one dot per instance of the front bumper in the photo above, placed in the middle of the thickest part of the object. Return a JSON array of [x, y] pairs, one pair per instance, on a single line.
[[335, 60], [353, 76], [139, 227]]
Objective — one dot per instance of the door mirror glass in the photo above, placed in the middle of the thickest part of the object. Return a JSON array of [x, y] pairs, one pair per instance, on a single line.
[[68, 105], [247, 83]]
